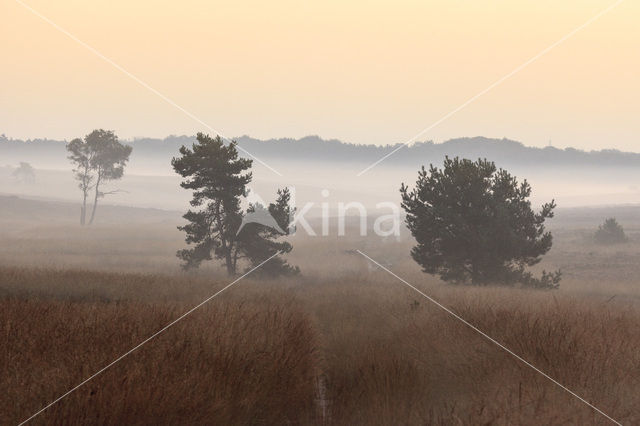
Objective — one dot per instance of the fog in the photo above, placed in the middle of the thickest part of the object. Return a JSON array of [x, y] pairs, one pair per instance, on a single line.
[[158, 187], [360, 323]]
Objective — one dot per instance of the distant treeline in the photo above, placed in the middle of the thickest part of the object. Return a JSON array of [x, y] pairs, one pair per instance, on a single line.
[[312, 148]]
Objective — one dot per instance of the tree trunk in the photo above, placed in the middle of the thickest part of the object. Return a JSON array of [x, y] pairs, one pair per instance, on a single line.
[[231, 267], [83, 209], [227, 247], [95, 201]]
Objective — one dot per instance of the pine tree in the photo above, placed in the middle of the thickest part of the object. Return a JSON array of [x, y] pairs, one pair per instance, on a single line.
[[216, 175], [258, 240], [474, 224], [610, 232]]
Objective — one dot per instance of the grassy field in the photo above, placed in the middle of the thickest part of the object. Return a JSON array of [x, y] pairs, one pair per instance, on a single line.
[[348, 344]]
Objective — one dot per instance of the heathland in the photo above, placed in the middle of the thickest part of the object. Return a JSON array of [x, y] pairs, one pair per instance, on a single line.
[[344, 343]]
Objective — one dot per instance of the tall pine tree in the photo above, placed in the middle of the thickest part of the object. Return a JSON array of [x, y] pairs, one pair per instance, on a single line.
[[218, 178]]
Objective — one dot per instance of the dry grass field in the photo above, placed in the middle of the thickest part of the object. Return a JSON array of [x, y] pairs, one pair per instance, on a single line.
[[252, 362], [342, 344]]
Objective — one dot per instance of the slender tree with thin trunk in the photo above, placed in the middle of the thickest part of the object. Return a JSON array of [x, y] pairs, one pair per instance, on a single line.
[[108, 162], [81, 156], [98, 158]]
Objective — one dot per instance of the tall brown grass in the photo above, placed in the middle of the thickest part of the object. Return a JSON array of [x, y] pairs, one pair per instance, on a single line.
[[250, 362], [360, 350], [342, 344], [397, 358]]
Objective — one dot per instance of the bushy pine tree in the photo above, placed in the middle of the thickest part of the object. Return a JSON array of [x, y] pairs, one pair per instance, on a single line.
[[259, 240], [610, 232], [474, 224]]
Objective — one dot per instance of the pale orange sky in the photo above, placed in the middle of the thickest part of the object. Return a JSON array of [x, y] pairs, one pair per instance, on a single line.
[[361, 71]]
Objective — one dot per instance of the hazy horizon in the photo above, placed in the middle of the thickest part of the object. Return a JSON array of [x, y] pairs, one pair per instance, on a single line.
[[238, 138], [285, 68]]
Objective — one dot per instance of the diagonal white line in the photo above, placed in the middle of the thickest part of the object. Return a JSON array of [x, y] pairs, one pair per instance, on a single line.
[[496, 83], [492, 340], [130, 351], [139, 81]]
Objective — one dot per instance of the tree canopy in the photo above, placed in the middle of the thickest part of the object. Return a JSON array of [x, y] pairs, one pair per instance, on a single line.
[[610, 232], [258, 240], [24, 173], [98, 158], [474, 224], [218, 178]]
